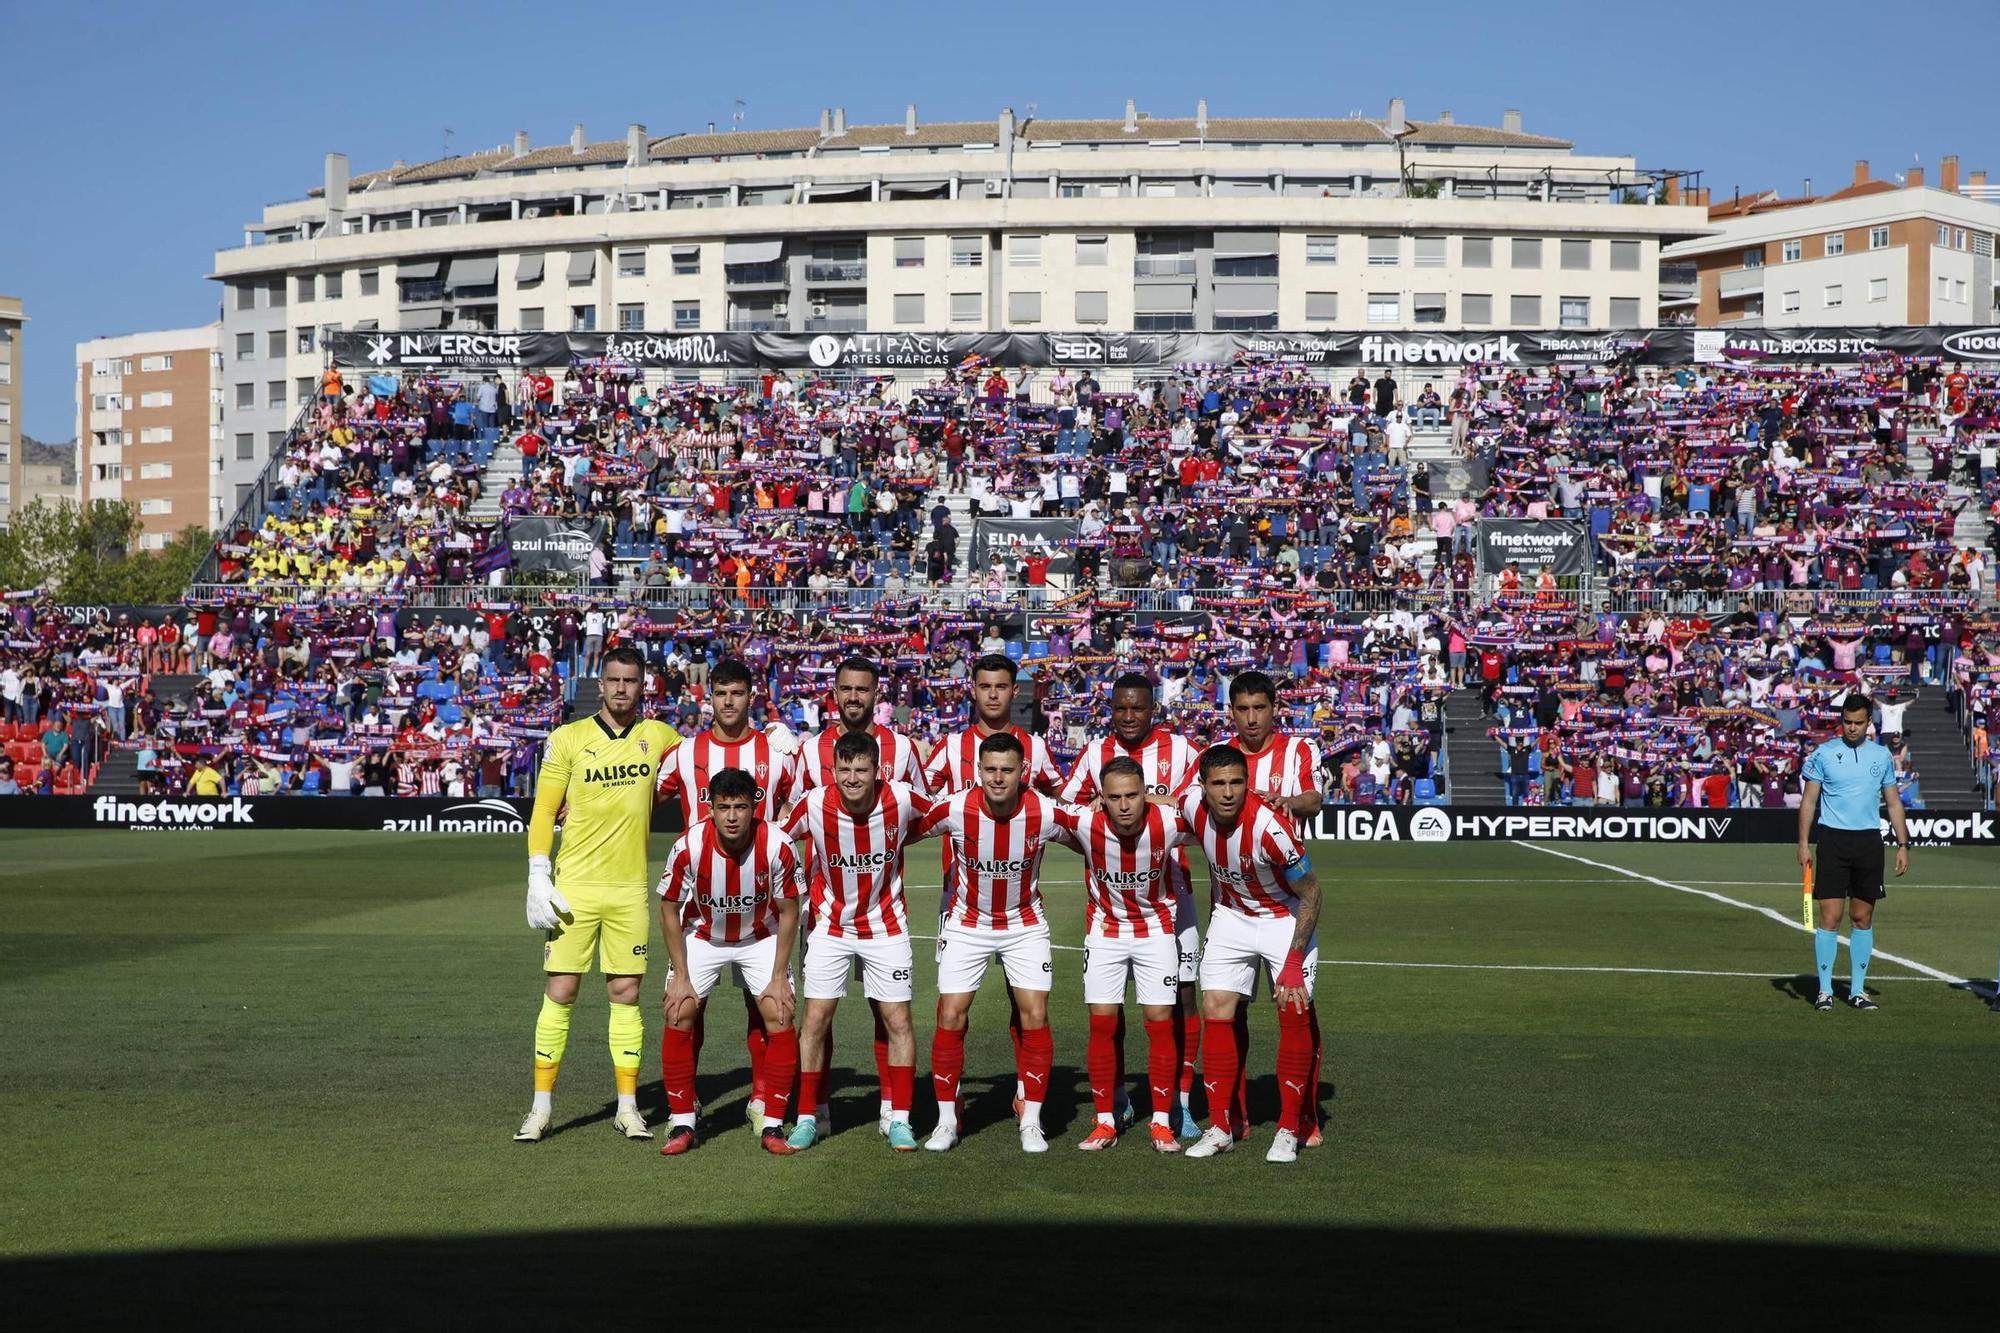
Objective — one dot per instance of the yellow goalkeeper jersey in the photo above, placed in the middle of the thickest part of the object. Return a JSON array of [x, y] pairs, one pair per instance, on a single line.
[[603, 779]]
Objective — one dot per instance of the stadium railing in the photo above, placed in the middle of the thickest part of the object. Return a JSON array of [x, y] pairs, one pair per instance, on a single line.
[[249, 513]]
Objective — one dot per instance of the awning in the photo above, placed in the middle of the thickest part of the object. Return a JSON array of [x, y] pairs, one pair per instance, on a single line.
[[838, 194], [1246, 244], [1165, 299], [425, 319], [472, 271], [1246, 298], [582, 265], [752, 252], [367, 325], [417, 269], [530, 268]]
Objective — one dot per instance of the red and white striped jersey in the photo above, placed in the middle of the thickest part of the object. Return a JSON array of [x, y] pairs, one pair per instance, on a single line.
[[1286, 766], [995, 863], [954, 764], [1169, 763], [730, 899], [1130, 880], [814, 763], [857, 864], [690, 765], [1247, 864]]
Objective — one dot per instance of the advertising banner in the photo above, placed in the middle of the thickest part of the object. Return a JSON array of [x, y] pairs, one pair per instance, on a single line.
[[1531, 545], [557, 544], [1018, 536], [378, 814]]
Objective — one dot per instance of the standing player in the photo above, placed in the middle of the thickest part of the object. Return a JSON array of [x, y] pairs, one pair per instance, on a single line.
[[857, 690], [1167, 764], [855, 831], [995, 835], [730, 900], [1130, 847], [1855, 775], [601, 769], [730, 742], [1284, 773], [1266, 911]]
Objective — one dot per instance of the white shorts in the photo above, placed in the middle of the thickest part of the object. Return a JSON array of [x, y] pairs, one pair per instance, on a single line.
[[886, 966], [708, 960], [1187, 933], [1154, 962], [963, 953], [1237, 943]]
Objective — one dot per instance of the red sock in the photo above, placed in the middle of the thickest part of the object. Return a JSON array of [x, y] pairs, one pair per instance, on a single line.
[[1218, 1067], [1295, 1056], [882, 1081], [780, 1067], [947, 1064], [755, 1040], [1310, 1121], [1239, 1099], [677, 1059], [902, 1087], [1039, 1044], [1190, 1050], [812, 1090], [1102, 1060], [1162, 1055]]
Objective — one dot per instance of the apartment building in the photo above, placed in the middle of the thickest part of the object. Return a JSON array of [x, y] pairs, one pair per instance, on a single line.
[[148, 426], [13, 483]]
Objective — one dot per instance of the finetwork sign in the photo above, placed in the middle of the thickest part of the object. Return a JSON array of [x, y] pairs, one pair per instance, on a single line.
[[173, 813], [1377, 350]]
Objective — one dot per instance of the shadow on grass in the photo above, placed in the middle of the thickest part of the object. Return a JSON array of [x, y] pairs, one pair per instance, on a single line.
[[820, 1276]]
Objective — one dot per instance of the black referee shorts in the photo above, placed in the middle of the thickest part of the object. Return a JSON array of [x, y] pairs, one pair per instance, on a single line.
[[1849, 864]]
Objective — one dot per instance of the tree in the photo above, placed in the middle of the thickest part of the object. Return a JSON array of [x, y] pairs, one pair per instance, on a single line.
[[92, 555]]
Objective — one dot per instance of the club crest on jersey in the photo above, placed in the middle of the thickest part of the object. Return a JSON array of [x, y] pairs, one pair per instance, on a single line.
[[642, 745]]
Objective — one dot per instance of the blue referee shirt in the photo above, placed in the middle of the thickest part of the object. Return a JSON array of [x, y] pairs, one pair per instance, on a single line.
[[1851, 779]]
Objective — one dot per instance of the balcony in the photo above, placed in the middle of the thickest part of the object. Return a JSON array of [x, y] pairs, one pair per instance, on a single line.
[[1742, 281], [1679, 283], [1163, 266], [837, 324], [415, 293], [755, 275], [836, 270], [758, 324]]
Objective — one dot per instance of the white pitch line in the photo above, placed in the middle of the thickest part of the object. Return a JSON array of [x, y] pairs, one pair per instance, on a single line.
[[1778, 917]]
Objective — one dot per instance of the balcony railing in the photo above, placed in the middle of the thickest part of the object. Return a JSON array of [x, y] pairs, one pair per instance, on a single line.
[[836, 270], [1742, 281], [747, 275], [759, 324], [1163, 266], [837, 324]]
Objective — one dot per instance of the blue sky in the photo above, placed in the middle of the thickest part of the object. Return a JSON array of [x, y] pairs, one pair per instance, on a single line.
[[146, 135]]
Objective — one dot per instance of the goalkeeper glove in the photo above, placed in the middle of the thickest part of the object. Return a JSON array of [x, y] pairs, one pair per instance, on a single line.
[[546, 907]]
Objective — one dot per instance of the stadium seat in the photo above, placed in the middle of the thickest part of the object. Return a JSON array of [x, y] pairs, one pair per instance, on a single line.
[[1423, 791], [1014, 649], [1039, 648]]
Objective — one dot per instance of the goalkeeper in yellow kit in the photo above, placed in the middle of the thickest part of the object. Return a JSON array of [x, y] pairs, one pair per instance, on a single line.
[[594, 900]]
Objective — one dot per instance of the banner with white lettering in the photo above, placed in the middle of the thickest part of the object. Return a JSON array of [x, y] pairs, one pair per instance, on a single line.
[[562, 545], [1016, 538], [1559, 545]]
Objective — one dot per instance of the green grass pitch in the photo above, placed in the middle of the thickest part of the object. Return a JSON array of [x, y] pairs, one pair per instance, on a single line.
[[276, 1074]]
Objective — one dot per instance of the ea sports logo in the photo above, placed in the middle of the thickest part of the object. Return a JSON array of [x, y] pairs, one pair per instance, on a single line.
[[1430, 825], [824, 350]]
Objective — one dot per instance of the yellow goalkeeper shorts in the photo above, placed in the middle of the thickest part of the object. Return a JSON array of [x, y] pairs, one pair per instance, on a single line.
[[613, 923]]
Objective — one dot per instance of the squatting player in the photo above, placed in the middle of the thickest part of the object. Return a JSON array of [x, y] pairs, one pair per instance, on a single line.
[[1166, 763], [1847, 778], [1266, 912], [729, 901], [995, 835], [601, 769]]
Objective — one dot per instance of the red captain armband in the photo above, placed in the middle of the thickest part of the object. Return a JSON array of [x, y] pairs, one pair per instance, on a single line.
[[1292, 976]]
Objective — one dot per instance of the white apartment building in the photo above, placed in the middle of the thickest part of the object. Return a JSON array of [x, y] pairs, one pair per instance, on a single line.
[[149, 427], [13, 479], [1138, 224]]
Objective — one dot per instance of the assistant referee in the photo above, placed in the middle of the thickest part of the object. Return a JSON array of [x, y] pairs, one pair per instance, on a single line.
[[1855, 775]]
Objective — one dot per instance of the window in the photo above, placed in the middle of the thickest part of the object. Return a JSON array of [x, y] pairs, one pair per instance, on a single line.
[[1958, 289], [1878, 289], [1624, 312], [246, 296], [154, 364], [302, 388], [156, 471], [687, 316], [371, 281], [275, 343], [965, 308], [1385, 308], [1430, 252], [302, 287], [968, 251], [687, 261], [531, 319], [1754, 257], [1958, 238], [274, 440], [1385, 251], [277, 294], [1834, 243], [909, 308], [1322, 249], [1573, 312], [302, 338], [583, 318], [1024, 252], [1878, 238], [1427, 308], [157, 505], [1476, 252], [1093, 307], [246, 445], [1943, 288], [1524, 312], [1476, 308], [1943, 234], [1625, 256], [1322, 307], [1788, 303], [1024, 307], [158, 398], [1792, 251], [631, 263], [1575, 254], [246, 346], [333, 286], [1246, 266], [1093, 251], [274, 393], [632, 317], [1832, 296], [909, 251], [1527, 252]]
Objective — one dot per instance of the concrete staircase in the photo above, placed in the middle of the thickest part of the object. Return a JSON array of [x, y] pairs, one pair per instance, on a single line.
[[1475, 756], [585, 699], [117, 775], [1972, 528], [502, 468], [1938, 750]]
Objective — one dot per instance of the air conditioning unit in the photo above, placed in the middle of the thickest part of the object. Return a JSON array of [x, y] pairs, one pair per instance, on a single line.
[[781, 309], [532, 211], [819, 309], [994, 185]]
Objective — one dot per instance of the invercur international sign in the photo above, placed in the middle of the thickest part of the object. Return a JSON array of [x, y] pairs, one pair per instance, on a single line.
[[1559, 545]]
